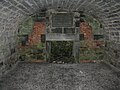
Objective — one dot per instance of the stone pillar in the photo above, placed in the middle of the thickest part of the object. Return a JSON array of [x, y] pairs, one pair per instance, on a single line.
[[76, 51], [48, 50], [76, 47]]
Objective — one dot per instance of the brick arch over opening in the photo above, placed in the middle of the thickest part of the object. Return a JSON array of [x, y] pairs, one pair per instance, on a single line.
[[13, 12]]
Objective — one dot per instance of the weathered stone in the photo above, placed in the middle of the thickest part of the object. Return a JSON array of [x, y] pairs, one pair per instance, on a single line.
[[13, 12], [84, 76]]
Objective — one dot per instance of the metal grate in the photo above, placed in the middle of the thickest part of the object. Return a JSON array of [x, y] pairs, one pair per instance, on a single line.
[[62, 20]]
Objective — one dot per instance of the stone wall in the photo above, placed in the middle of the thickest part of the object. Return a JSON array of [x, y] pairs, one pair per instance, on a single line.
[[113, 53], [13, 12]]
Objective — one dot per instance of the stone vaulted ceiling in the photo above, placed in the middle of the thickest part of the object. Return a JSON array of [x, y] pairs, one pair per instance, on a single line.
[[12, 12]]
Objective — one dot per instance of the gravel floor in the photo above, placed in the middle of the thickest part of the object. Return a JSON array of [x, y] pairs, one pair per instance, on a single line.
[[40, 76]]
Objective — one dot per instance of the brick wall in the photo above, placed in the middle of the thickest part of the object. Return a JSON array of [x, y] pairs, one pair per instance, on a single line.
[[35, 37], [86, 29]]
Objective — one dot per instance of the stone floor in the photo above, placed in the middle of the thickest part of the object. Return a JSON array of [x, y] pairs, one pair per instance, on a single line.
[[41, 76]]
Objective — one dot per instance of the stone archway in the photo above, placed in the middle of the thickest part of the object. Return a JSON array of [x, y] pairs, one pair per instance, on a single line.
[[13, 12]]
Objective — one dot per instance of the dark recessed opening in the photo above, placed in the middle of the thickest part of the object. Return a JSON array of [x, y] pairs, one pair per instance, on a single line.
[[101, 26], [24, 39], [1, 63], [69, 30], [43, 38], [97, 37], [12, 51], [57, 30], [82, 15], [82, 20], [77, 23], [44, 10], [81, 36]]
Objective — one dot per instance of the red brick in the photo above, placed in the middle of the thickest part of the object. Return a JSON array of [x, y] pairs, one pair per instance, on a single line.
[[35, 36], [86, 29]]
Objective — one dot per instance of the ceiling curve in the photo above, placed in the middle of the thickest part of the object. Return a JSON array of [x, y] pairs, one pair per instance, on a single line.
[[12, 12]]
